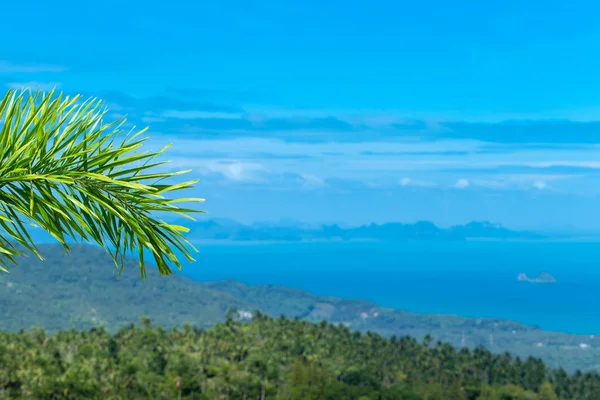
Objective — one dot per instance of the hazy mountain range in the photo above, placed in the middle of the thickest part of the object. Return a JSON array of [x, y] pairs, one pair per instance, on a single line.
[[290, 231], [223, 229]]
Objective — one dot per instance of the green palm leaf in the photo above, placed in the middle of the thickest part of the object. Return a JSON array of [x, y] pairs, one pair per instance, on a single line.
[[65, 170]]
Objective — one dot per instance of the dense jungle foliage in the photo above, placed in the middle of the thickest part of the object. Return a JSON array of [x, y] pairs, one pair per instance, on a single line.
[[268, 358]]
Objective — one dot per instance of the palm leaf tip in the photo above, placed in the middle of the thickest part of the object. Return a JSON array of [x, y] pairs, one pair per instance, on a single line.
[[63, 169]]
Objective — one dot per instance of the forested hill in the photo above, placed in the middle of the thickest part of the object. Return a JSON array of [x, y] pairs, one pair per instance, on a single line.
[[268, 359], [81, 291]]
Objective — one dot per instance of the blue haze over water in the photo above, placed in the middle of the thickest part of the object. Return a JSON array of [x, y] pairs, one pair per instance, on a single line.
[[472, 278]]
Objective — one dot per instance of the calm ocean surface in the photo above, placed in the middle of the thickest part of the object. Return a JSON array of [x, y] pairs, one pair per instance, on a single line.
[[477, 279]]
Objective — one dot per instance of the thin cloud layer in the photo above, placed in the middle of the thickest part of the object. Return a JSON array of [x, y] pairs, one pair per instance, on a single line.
[[189, 116], [33, 85], [14, 68], [442, 164], [332, 128]]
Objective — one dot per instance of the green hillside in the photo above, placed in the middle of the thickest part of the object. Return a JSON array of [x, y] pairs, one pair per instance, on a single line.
[[81, 291]]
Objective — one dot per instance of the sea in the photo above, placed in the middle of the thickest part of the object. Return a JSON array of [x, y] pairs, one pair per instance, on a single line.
[[467, 278]]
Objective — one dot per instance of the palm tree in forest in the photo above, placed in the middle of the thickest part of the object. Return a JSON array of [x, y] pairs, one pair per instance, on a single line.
[[64, 169]]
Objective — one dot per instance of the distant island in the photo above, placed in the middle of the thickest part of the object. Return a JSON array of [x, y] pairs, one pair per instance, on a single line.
[[226, 230], [542, 278], [216, 229]]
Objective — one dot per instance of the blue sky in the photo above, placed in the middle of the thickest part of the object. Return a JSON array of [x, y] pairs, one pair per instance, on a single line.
[[349, 112]]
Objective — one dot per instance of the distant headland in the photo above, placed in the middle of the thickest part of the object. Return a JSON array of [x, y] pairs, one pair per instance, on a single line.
[[542, 278]]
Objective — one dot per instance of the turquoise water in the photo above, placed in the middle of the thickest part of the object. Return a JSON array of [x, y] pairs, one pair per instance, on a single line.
[[476, 279]]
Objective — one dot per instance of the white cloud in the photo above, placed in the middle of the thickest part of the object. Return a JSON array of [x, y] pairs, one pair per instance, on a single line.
[[461, 183], [413, 182], [540, 185], [9, 68], [232, 170], [311, 181], [236, 171], [33, 85], [405, 181]]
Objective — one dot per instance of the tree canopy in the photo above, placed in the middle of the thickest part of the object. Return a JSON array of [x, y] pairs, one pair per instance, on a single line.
[[269, 359]]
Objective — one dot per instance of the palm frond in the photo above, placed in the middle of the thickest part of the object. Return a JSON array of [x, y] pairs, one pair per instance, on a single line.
[[64, 169]]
